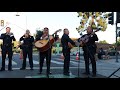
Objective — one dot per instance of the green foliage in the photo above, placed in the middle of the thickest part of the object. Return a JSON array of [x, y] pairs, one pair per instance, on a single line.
[[118, 42], [93, 19], [104, 42]]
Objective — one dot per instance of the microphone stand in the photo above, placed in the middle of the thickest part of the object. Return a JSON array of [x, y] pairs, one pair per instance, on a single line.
[[49, 50], [79, 61]]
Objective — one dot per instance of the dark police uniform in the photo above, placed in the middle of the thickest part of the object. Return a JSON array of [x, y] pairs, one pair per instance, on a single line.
[[7, 49], [66, 52], [89, 53], [46, 54], [27, 48]]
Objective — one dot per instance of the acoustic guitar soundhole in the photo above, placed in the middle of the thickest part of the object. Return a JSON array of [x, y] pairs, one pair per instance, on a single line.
[[41, 42]]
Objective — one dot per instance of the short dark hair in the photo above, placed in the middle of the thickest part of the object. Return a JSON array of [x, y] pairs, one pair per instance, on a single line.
[[8, 27], [91, 27], [65, 29], [46, 28]]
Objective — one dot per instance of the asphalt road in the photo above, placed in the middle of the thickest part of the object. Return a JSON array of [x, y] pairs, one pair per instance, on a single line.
[[56, 68]]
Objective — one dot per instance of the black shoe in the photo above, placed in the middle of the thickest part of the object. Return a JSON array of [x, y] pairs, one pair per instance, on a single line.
[[31, 68], [94, 75], [50, 73], [22, 68], [86, 73], [66, 74], [2, 69], [40, 73], [47, 75], [10, 70]]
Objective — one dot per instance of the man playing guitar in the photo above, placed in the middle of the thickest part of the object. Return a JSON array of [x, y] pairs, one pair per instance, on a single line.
[[45, 54], [87, 41]]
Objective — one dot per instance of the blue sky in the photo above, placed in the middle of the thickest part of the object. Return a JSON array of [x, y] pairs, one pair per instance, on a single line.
[[52, 20]]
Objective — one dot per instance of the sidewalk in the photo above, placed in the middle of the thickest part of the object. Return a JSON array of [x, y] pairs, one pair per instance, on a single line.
[[107, 67]]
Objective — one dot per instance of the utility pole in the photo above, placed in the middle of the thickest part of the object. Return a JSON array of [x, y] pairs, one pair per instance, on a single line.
[[116, 41], [117, 21]]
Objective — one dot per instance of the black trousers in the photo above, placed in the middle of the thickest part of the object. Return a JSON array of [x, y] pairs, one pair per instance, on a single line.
[[27, 51], [7, 50], [47, 55], [89, 53], [66, 53]]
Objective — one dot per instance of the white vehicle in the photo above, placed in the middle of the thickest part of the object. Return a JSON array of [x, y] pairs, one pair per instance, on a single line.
[[77, 52]]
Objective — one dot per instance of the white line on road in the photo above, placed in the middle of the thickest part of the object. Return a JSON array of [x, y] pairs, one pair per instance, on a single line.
[[13, 62], [56, 62], [45, 68], [76, 63], [34, 61], [62, 59]]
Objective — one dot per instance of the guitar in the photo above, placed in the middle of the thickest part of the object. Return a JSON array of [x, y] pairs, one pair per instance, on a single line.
[[85, 39], [45, 44], [71, 46]]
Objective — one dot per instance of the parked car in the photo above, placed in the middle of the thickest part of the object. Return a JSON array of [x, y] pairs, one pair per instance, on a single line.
[[112, 53], [74, 53]]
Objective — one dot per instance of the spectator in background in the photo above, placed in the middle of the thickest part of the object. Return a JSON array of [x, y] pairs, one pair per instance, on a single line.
[[100, 53]]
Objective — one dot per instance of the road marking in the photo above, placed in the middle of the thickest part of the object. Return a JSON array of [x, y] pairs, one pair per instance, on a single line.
[[45, 68], [51, 76], [34, 61], [13, 62], [76, 63], [62, 59], [70, 59], [56, 62]]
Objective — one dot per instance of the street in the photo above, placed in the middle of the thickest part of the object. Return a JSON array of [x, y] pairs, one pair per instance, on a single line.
[[104, 68]]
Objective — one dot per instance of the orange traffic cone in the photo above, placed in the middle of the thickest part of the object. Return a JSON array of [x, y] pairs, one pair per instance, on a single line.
[[62, 57], [77, 57]]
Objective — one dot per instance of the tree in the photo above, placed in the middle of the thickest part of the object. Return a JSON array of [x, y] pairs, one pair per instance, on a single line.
[[94, 19], [38, 32], [104, 42], [118, 42]]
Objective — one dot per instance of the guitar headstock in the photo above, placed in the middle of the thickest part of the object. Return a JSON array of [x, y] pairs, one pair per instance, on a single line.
[[98, 29], [59, 30]]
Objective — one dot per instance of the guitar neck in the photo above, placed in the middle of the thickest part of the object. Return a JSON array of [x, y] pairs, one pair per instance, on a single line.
[[57, 31]]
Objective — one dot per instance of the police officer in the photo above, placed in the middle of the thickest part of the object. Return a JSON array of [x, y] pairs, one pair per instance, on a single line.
[[27, 48], [66, 50], [7, 38]]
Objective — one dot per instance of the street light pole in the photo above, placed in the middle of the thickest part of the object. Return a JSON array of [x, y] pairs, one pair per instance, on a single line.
[[25, 20], [116, 39]]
